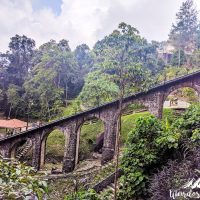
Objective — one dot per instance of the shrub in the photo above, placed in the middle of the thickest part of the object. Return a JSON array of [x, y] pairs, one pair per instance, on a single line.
[[175, 174], [140, 154], [83, 195], [150, 145], [17, 182]]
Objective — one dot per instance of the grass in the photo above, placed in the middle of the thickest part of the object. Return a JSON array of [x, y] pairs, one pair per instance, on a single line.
[[55, 142], [128, 123], [54, 149], [89, 133]]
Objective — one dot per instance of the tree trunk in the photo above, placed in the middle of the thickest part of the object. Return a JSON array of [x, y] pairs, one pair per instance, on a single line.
[[118, 132], [58, 80], [48, 109], [66, 94], [122, 86], [179, 57], [9, 111]]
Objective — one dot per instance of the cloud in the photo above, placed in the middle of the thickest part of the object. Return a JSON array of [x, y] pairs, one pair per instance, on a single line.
[[85, 21]]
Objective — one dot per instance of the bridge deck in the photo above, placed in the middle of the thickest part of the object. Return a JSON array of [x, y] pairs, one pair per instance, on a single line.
[[133, 96]]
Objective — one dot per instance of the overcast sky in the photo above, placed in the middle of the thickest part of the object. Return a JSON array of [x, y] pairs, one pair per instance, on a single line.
[[84, 21]]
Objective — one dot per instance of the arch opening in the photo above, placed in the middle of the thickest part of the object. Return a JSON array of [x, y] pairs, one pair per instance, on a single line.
[[90, 140], [23, 151], [178, 100], [52, 150]]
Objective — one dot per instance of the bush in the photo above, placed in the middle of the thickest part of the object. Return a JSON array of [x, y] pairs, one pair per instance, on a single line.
[[150, 145], [17, 182], [140, 154], [83, 195], [175, 174]]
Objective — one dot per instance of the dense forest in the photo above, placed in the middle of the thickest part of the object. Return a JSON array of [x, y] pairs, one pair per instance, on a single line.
[[41, 82]]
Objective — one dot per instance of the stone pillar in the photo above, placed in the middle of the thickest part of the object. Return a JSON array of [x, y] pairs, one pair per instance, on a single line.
[[36, 151], [5, 151], [77, 146], [70, 147], [155, 104], [197, 87], [43, 152], [108, 150]]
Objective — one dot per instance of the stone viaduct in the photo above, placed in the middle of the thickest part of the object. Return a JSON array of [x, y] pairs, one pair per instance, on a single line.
[[153, 99]]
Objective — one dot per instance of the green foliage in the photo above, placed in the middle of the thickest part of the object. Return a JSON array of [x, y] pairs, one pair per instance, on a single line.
[[126, 41], [148, 147], [20, 55], [17, 182], [106, 195], [44, 95], [128, 123], [170, 73], [55, 147], [88, 135], [98, 89], [83, 57], [190, 95], [13, 96], [55, 70], [178, 58], [175, 174], [141, 153], [182, 128], [195, 134], [83, 195], [190, 121], [115, 56], [168, 138], [183, 33], [73, 107]]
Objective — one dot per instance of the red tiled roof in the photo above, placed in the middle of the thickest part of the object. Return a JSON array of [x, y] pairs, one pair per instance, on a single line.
[[12, 123]]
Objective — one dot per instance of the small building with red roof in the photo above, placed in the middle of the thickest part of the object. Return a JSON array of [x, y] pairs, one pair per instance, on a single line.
[[13, 125]]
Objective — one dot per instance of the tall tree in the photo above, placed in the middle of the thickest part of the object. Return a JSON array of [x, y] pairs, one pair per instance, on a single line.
[[4, 64], [42, 93], [98, 89], [20, 55], [83, 56], [85, 60], [183, 33], [48, 84], [116, 56], [140, 51], [13, 98], [15, 66], [198, 36], [64, 45]]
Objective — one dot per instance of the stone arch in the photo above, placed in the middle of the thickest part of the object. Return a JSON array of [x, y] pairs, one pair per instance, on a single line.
[[86, 122], [22, 150], [44, 139], [179, 86], [14, 147]]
